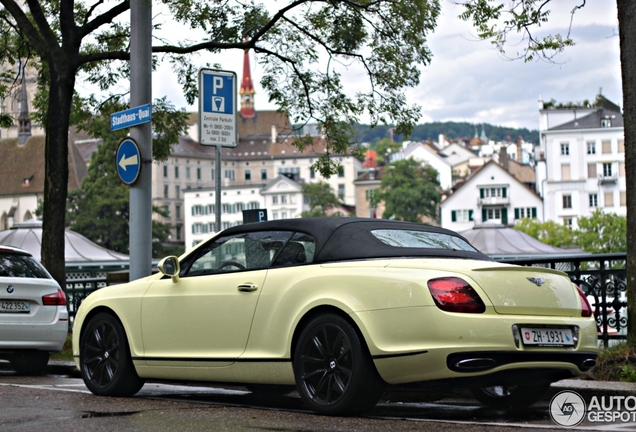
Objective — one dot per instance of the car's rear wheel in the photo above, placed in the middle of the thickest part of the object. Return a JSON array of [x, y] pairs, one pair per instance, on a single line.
[[29, 362], [105, 360], [510, 398], [334, 371]]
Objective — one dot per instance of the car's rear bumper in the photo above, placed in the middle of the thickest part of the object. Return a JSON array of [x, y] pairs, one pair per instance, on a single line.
[[46, 337], [415, 344]]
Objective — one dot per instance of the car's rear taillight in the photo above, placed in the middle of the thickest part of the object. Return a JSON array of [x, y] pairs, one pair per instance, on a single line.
[[57, 299], [586, 309], [452, 294]]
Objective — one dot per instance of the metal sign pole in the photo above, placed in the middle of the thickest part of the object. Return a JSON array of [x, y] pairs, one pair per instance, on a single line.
[[217, 190], [140, 94]]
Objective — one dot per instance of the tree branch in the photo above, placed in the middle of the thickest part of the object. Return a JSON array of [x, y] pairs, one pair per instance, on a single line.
[[104, 18], [28, 29]]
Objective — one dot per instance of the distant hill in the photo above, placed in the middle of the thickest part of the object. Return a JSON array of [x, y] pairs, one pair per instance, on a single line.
[[452, 130]]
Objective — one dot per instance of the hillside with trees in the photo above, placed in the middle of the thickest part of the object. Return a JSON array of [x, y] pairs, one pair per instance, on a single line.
[[452, 130]]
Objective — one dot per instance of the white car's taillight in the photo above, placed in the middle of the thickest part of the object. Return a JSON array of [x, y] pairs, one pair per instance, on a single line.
[[57, 299], [452, 294]]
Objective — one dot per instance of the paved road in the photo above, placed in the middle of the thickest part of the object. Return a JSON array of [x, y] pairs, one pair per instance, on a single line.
[[62, 402]]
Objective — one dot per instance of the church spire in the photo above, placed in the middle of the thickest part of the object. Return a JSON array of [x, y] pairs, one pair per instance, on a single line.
[[24, 120], [247, 89]]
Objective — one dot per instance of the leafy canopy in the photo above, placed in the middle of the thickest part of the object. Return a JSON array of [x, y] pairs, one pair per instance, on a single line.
[[409, 190], [598, 233], [321, 200]]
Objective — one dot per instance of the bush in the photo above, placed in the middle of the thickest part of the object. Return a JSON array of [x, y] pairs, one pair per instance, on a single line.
[[617, 363]]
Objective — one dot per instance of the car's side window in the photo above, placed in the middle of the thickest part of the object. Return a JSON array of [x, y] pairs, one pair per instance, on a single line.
[[299, 250], [248, 251]]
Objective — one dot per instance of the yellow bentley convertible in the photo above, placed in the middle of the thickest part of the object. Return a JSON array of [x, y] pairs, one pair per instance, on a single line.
[[343, 309]]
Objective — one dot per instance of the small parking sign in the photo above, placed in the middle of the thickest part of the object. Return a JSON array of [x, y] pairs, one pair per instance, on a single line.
[[217, 108]]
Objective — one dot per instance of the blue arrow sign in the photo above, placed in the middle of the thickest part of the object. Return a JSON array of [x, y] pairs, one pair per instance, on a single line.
[[131, 117], [128, 161], [217, 108]]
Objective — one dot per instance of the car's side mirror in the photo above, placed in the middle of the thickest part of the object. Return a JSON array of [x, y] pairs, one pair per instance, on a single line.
[[169, 266]]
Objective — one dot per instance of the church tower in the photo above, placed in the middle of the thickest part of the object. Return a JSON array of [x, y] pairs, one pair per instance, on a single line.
[[247, 89], [24, 120]]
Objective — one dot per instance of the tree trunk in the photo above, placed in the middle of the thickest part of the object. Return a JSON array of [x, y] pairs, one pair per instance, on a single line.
[[627, 34], [56, 172]]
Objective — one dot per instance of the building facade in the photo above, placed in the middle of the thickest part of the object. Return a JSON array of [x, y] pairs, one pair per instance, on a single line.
[[490, 196], [582, 158]]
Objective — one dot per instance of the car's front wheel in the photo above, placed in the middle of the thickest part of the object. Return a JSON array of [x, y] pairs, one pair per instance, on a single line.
[[333, 369], [510, 398], [105, 360], [29, 362]]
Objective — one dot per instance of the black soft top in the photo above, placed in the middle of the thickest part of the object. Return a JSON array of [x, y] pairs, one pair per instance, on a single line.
[[341, 238]]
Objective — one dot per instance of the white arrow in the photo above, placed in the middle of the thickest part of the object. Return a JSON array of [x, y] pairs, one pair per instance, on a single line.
[[124, 162]]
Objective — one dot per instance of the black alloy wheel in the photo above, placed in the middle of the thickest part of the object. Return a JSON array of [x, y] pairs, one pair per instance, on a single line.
[[333, 369], [105, 360]]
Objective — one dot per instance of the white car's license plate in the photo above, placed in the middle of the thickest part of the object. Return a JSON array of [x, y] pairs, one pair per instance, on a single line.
[[547, 336], [14, 306]]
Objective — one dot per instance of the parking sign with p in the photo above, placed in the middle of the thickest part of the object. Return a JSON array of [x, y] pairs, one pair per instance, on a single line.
[[217, 108]]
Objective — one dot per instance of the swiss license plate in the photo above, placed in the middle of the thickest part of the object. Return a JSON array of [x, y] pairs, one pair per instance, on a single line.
[[547, 336], [14, 306]]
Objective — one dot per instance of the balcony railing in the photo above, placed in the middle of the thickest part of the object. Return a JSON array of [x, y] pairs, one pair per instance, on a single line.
[[603, 279], [609, 179], [493, 201]]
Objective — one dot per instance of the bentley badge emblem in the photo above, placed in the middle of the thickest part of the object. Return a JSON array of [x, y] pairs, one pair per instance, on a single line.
[[537, 281], [10, 289]]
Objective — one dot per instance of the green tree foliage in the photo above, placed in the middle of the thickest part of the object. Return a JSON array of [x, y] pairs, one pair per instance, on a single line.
[[548, 232], [384, 148], [302, 46], [599, 233], [409, 190], [101, 209], [602, 233], [321, 199]]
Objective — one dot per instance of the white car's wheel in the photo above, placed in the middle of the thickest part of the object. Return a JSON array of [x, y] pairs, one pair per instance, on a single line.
[[29, 362]]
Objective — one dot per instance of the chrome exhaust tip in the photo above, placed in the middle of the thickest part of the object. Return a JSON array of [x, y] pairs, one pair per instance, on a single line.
[[475, 364]]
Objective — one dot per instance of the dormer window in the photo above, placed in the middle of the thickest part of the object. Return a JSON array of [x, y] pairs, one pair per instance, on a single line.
[[606, 122]]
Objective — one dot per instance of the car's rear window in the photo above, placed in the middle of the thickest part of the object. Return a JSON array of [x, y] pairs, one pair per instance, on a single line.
[[421, 239], [23, 266]]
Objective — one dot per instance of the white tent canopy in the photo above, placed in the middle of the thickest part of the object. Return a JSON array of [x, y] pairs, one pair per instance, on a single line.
[[77, 248], [499, 240]]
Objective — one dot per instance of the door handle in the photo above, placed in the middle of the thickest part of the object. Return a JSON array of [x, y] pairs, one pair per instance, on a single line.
[[247, 287]]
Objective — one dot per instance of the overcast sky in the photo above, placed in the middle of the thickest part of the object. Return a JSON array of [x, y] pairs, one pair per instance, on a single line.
[[468, 80]]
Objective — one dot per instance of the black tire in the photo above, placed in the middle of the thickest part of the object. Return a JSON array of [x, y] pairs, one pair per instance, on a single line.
[[333, 369], [105, 361], [29, 362], [510, 398]]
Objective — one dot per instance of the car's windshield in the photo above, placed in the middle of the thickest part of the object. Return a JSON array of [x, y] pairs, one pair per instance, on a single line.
[[421, 239]]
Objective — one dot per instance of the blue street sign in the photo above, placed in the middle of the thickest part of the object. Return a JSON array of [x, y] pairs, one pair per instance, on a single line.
[[131, 117], [128, 161], [217, 108]]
